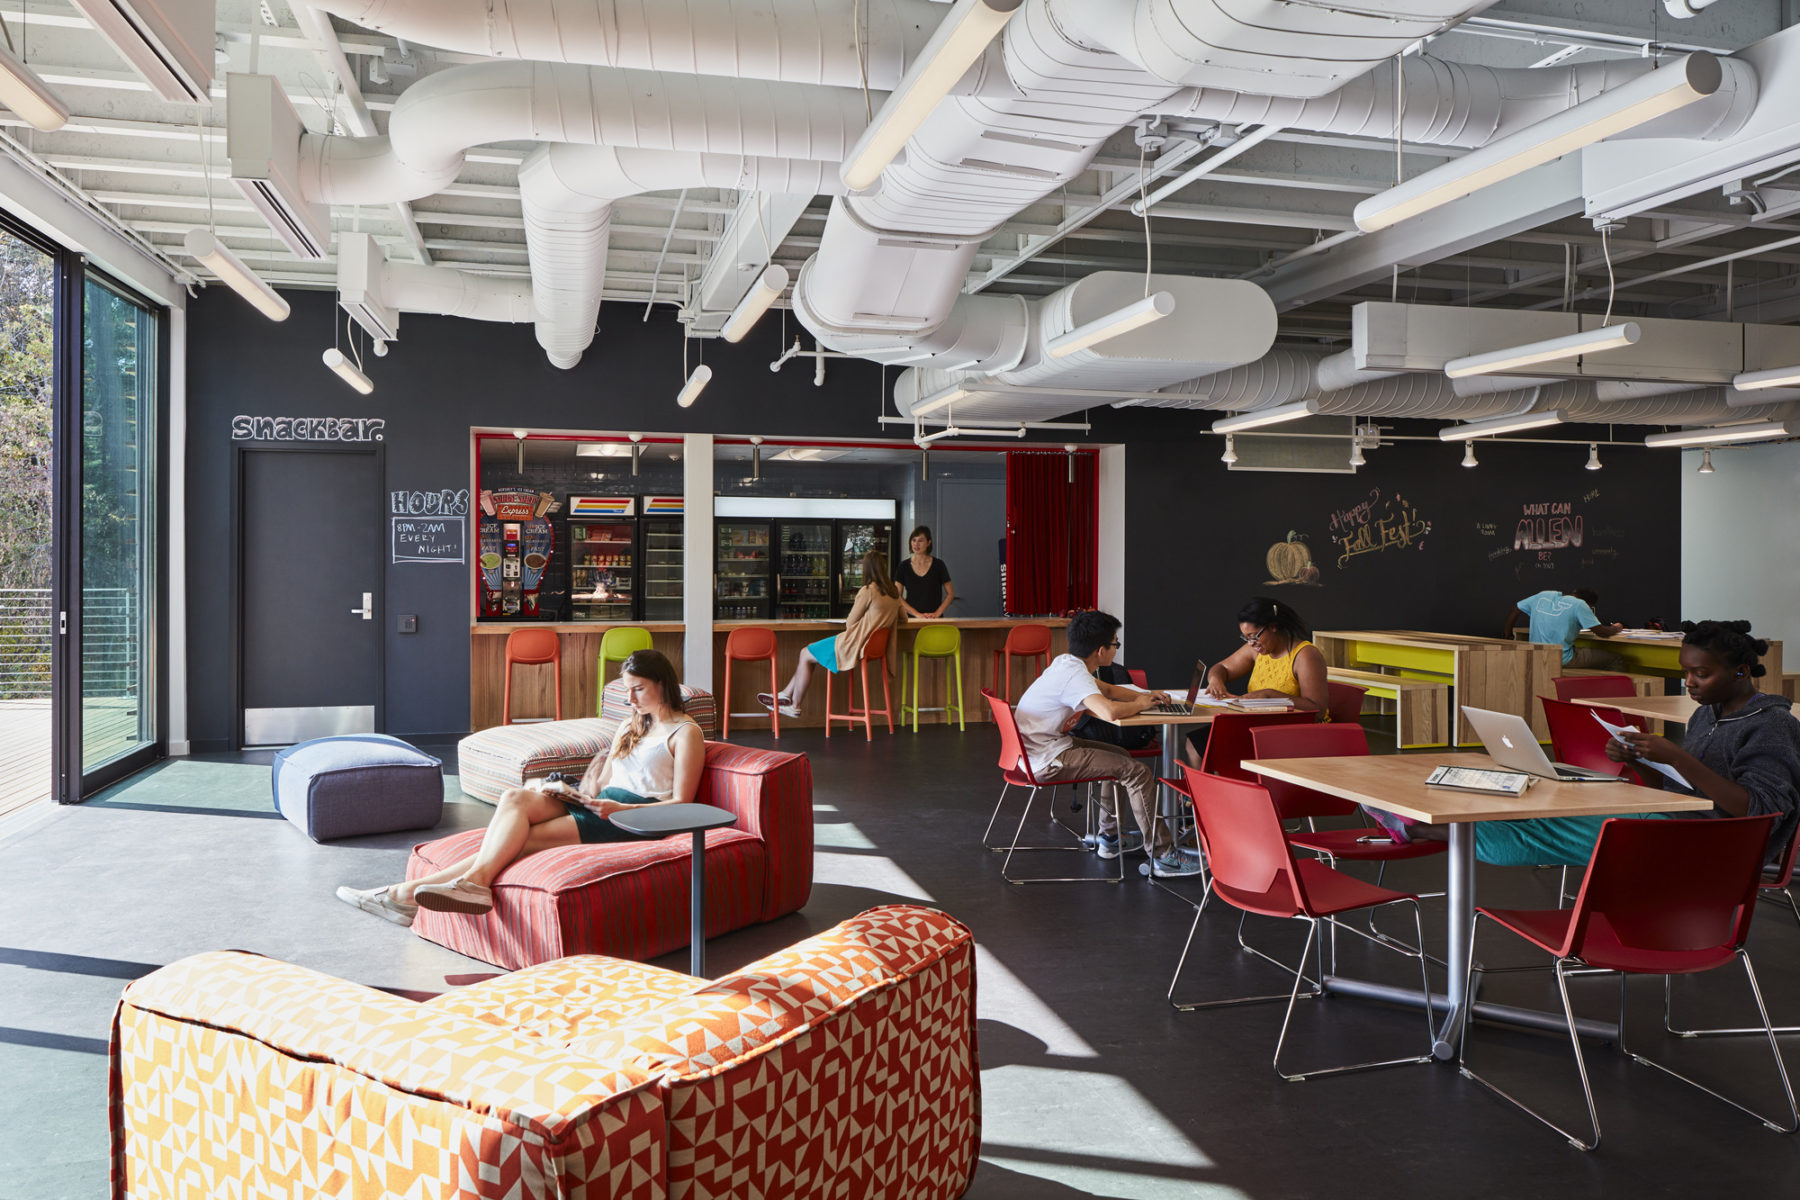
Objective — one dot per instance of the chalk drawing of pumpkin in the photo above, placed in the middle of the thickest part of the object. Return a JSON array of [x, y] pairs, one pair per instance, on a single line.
[[1291, 562]]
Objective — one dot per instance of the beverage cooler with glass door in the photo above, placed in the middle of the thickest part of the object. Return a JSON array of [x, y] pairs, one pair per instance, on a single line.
[[852, 540], [661, 560], [803, 570], [603, 558], [741, 570]]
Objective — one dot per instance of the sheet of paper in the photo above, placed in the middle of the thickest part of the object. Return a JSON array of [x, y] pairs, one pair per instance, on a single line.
[[1664, 768]]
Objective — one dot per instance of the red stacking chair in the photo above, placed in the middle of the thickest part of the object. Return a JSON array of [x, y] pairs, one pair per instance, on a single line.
[[531, 647], [874, 651], [1578, 740], [1015, 768], [1255, 871], [751, 643], [1228, 745], [1661, 897], [1344, 703], [1294, 802], [1776, 882], [1141, 678], [1593, 687], [1022, 641]]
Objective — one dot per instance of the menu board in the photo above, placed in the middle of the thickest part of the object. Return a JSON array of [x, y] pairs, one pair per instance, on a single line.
[[429, 539]]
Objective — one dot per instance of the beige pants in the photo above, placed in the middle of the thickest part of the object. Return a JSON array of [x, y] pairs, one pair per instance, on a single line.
[[1097, 760]]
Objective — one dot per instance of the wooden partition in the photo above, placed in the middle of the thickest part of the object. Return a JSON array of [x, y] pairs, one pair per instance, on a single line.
[[532, 686], [1662, 656], [1492, 673]]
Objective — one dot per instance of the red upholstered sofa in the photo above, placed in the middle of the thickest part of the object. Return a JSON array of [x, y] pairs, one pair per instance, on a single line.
[[630, 899]]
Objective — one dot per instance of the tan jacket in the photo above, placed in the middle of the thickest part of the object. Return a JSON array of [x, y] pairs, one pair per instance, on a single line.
[[871, 610]]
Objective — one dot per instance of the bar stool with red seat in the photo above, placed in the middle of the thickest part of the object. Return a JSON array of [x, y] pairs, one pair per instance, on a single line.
[[531, 647], [1661, 897], [874, 650], [1015, 768], [1022, 641], [752, 643]]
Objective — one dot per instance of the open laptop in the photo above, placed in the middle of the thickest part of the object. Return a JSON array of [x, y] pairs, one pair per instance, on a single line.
[[1511, 744]]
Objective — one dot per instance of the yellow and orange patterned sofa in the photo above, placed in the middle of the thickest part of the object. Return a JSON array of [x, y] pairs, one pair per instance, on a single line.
[[844, 1065]]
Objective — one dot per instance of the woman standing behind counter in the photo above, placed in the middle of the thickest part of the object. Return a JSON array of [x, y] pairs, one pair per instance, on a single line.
[[924, 580]]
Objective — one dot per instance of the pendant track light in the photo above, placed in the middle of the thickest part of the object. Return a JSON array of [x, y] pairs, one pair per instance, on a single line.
[[756, 459], [1356, 453], [348, 371], [1230, 455], [1469, 455], [1593, 462], [1706, 467], [520, 435], [696, 383], [757, 301], [232, 272]]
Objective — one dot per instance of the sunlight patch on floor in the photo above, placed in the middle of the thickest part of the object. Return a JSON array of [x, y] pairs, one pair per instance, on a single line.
[[1001, 996], [867, 871]]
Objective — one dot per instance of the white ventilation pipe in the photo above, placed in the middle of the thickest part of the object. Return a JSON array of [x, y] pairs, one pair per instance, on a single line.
[[1338, 371], [1483, 385], [793, 41], [448, 292], [439, 118], [567, 193], [1609, 390]]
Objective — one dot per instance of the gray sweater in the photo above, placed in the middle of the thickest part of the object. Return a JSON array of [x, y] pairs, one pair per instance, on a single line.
[[1758, 748]]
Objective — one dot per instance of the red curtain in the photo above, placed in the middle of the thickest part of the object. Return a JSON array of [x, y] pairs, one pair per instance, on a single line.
[[1052, 527]]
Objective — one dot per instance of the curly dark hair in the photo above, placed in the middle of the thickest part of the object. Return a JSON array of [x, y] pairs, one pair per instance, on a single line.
[[1272, 614], [1730, 641]]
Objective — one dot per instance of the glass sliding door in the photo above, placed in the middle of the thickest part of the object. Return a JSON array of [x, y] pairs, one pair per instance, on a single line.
[[119, 372]]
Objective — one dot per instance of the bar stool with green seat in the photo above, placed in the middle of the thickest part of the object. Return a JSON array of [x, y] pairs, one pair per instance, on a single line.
[[935, 641], [620, 643]]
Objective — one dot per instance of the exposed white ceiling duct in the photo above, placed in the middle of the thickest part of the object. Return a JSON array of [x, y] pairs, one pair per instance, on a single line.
[[375, 292]]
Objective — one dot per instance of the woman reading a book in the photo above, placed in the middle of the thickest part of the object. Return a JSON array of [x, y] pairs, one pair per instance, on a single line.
[[1742, 752], [1279, 658]]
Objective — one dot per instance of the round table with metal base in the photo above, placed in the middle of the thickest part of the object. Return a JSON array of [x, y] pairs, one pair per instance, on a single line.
[[660, 820]]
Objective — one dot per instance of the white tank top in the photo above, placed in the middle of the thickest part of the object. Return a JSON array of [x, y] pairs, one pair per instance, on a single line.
[[649, 769]]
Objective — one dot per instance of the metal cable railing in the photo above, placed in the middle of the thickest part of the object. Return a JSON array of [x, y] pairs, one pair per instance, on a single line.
[[24, 643], [110, 651]]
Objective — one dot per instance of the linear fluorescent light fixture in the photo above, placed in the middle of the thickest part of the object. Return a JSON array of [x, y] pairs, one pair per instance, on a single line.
[[1267, 416], [347, 371], [953, 48], [1719, 433], [231, 271], [30, 97], [1497, 425], [1153, 307], [696, 383], [1588, 341], [1654, 94], [769, 286], [937, 400], [1756, 381]]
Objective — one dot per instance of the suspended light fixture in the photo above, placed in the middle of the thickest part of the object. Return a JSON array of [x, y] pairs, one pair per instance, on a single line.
[[1356, 453], [768, 288], [756, 460], [953, 48], [1151, 308], [1588, 341], [232, 272], [1755, 381], [1230, 455], [520, 435], [1706, 467], [1653, 94], [1497, 425], [1593, 462], [695, 384], [636, 449], [937, 400], [1469, 455], [27, 95], [347, 370], [1719, 433], [1267, 416]]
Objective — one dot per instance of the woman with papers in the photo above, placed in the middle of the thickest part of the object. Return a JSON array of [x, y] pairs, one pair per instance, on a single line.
[[1280, 659]]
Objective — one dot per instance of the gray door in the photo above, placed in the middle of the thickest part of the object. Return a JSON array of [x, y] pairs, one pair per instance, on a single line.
[[310, 555], [971, 525]]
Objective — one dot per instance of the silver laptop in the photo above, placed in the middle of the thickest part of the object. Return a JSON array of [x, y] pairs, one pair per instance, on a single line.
[[1511, 744]]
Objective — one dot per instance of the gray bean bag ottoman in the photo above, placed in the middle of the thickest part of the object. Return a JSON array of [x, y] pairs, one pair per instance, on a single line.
[[337, 787]]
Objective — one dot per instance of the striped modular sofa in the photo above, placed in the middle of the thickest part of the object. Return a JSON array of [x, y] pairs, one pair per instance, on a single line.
[[630, 899], [844, 1066]]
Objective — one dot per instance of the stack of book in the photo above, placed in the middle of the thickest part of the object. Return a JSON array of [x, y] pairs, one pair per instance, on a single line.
[[1262, 703]]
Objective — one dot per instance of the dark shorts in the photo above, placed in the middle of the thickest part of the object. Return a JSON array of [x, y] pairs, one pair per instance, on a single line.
[[595, 828]]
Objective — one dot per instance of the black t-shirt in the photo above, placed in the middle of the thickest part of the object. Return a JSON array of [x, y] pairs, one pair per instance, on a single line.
[[924, 592]]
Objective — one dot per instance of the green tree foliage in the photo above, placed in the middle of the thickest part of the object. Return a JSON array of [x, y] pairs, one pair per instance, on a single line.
[[26, 291]]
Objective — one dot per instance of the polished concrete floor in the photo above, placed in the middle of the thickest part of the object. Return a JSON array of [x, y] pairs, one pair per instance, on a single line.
[[1092, 1085]]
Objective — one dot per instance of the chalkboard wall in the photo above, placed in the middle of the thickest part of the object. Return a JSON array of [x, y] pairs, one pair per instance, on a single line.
[[1437, 543]]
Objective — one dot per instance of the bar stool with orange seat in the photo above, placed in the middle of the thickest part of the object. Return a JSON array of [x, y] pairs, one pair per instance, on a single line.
[[874, 650], [1022, 641], [620, 643], [531, 647], [751, 644]]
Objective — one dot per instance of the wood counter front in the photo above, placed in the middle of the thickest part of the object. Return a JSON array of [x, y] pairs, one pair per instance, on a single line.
[[532, 697]]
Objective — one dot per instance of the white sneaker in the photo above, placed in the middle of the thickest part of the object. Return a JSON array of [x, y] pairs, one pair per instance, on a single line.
[[458, 897], [768, 700], [380, 902]]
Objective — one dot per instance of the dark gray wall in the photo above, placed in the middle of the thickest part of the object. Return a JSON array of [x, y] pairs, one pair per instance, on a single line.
[[1197, 535]]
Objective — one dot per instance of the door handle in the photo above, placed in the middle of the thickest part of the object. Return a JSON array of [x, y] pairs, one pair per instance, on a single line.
[[367, 611]]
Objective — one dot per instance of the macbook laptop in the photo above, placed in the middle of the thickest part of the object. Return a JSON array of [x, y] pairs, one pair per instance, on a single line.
[[1511, 744]]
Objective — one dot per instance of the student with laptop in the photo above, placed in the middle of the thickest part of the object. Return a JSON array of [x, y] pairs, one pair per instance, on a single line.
[[1559, 618], [1278, 655], [1741, 751]]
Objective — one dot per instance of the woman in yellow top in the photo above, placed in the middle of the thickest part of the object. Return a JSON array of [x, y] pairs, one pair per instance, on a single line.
[[1279, 658], [877, 606]]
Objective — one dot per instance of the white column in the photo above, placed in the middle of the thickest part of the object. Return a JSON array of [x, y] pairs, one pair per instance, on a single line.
[[175, 670], [697, 559], [1111, 562]]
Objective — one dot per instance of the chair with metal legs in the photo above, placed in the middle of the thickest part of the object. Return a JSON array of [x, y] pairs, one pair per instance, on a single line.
[[1661, 897], [1015, 768], [1254, 870], [1775, 885]]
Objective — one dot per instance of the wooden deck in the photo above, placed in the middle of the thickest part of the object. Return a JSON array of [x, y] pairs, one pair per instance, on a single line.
[[108, 729]]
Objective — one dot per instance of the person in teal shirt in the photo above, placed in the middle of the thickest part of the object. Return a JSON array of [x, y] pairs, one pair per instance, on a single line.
[[1560, 617]]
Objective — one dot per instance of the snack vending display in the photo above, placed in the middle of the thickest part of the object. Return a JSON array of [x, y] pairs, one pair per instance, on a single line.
[[515, 545], [603, 569], [662, 568]]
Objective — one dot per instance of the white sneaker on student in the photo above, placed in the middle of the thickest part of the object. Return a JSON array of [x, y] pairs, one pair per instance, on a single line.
[[458, 897], [381, 902]]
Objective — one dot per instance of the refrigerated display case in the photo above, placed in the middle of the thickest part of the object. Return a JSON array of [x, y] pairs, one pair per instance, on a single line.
[[603, 558], [741, 567], [661, 526], [803, 570], [854, 539]]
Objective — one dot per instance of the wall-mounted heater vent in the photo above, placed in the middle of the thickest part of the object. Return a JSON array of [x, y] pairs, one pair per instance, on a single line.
[[262, 140], [168, 42]]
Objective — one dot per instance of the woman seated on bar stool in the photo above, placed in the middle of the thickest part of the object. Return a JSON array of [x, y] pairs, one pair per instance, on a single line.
[[1741, 751], [1280, 659], [877, 606], [657, 758]]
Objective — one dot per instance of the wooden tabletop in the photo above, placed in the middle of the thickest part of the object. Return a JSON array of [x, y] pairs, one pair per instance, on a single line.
[[1657, 708], [1396, 783], [1200, 716]]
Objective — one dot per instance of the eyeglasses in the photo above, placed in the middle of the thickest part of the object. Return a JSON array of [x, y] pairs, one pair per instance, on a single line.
[[1254, 638], [1111, 646]]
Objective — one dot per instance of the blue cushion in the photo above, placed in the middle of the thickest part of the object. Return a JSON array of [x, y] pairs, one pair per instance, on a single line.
[[335, 787]]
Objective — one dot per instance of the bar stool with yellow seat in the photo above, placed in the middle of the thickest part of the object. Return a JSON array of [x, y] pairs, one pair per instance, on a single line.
[[620, 643], [935, 641], [750, 644], [1022, 641], [531, 647]]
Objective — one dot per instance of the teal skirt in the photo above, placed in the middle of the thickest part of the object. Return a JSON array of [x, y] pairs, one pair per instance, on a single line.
[[1544, 841], [825, 652]]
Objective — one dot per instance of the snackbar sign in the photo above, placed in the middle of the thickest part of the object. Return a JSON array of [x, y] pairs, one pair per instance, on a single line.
[[307, 429]]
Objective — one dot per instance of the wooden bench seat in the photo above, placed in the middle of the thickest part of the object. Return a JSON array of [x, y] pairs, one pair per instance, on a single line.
[[1421, 706]]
